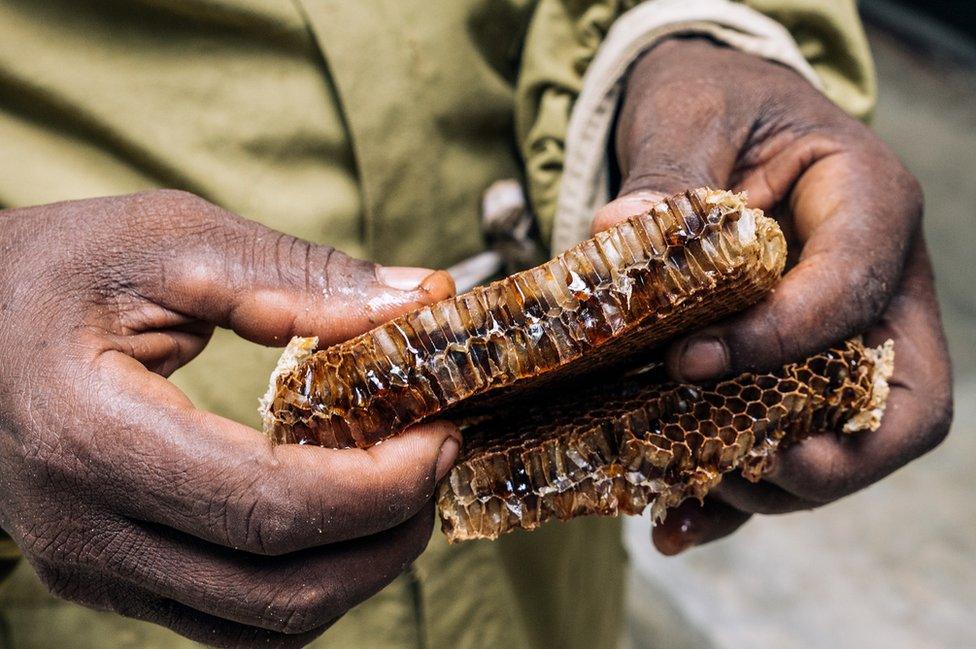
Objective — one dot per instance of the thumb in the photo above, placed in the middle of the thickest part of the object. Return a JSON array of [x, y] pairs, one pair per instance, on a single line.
[[664, 163], [670, 136], [268, 286], [692, 523], [624, 207]]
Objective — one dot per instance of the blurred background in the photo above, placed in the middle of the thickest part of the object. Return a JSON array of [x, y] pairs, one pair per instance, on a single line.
[[895, 565]]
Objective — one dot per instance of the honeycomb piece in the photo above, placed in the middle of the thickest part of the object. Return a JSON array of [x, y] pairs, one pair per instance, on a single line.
[[617, 448], [695, 257]]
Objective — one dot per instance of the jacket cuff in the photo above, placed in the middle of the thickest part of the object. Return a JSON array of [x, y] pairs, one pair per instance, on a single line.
[[585, 181]]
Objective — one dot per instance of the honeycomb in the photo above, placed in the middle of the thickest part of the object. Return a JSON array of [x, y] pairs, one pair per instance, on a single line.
[[637, 442], [539, 370], [694, 258]]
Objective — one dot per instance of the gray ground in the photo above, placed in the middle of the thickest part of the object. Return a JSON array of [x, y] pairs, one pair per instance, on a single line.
[[895, 565]]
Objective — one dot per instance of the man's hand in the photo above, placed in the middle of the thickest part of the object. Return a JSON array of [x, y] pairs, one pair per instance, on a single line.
[[121, 494], [695, 114]]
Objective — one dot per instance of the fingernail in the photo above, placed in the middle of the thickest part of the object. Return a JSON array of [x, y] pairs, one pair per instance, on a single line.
[[625, 207], [639, 201], [439, 284], [703, 358], [680, 531], [447, 456], [403, 278]]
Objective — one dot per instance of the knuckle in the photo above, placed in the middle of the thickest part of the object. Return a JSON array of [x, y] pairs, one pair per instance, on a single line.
[[322, 256], [269, 255], [866, 287], [163, 208], [332, 270], [897, 191], [244, 638], [761, 342], [415, 537], [914, 194], [59, 582], [871, 289], [176, 215], [265, 523], [387, 513], [304, 610], [49, 543], [827, 480], [942, 416], [177, 199], [834, 488], [394, 498], [275, 534], [293, 260], [139, 232], [416, 545], [828, 488]]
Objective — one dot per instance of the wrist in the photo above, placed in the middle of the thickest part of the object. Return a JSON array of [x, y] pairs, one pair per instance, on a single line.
[[633, 37], [673, 92], [698, 86]]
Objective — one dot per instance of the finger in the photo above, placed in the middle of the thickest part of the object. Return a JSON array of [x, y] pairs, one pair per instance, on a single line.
[[853, 217], [919, 409], [294, 593], [161, 351], [202, 627], [268, 286], [690, 524], [824, 468], [621, 209], [226, 483], [759, 497], [672, 135], [101, 591]]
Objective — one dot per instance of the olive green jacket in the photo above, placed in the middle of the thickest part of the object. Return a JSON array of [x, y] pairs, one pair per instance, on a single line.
[[371, 125]]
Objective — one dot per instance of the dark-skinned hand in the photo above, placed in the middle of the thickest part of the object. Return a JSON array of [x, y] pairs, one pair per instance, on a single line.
[[696, 113], [123, 496]]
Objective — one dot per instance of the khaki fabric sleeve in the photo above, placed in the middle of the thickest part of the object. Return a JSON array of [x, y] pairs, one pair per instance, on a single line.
[[831, 37], [562, 39], [8, 549], [565, 35], [9, 554]]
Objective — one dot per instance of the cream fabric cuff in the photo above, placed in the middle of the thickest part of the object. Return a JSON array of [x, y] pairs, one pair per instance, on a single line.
[[585, 182]]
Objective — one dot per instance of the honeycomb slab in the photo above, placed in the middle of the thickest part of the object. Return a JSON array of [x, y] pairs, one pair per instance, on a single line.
[[692, 259], [550, 373], [638, 442]]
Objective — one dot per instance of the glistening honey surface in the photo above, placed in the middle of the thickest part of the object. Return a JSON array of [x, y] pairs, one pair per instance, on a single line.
[[694, 258]]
